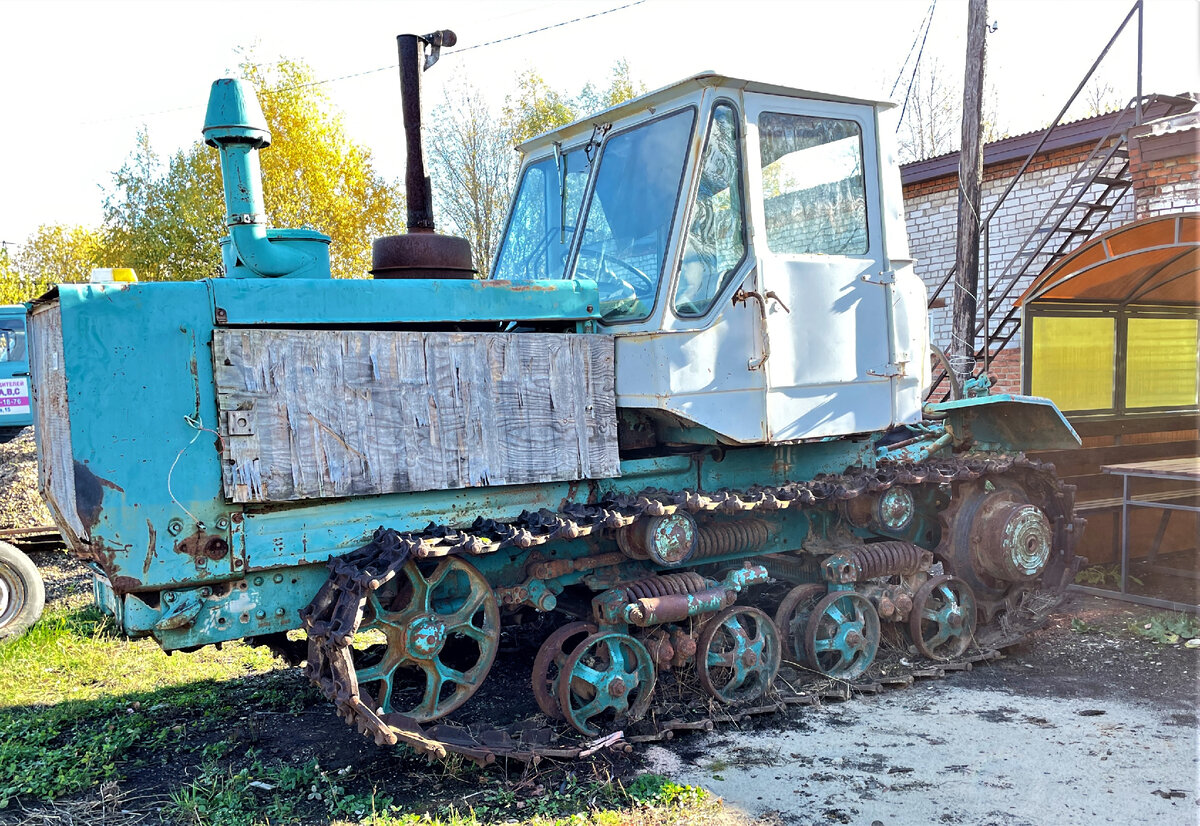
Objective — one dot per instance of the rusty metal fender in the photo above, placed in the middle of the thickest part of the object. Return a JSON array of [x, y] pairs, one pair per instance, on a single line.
[[1007, 423]]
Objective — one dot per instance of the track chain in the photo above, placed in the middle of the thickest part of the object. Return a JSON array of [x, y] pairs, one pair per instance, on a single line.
[[336, 612]]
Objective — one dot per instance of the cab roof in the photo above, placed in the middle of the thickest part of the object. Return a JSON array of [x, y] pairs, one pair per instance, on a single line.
[[678, 89]]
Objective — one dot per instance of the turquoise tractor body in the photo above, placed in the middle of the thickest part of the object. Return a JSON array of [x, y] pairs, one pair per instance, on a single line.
[[138, 438]]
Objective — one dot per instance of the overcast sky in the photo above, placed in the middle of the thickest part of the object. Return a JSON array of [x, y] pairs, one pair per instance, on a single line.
[[79, 79]]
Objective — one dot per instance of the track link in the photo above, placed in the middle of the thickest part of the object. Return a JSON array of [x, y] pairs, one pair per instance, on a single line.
[[336, 612]]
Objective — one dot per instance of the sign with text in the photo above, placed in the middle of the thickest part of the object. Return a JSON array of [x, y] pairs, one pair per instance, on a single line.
[[14, 397]]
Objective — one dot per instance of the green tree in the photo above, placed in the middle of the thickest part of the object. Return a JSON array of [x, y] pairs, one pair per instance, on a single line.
[[52, 254], [166, 223], [534, 108]]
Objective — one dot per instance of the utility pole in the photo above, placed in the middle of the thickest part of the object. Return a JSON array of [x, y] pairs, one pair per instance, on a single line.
[[970, 184]]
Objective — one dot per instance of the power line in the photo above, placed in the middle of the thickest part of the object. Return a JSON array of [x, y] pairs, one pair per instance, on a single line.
[[449, 52], [916, 37], [916, 66], [392, 67]]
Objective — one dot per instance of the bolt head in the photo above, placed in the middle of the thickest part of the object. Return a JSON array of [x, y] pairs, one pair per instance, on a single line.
[[617, 688]]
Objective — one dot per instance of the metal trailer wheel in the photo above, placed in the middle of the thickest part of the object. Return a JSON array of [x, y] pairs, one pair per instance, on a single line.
[[22, 593]]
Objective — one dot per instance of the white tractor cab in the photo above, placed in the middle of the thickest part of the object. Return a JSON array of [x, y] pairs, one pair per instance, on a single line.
[[750, 249]]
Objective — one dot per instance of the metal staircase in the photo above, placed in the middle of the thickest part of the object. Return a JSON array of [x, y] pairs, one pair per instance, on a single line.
[[1077, 213]]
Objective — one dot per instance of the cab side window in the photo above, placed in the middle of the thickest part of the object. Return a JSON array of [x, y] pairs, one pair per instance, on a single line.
[[813, 192], [716, 235]]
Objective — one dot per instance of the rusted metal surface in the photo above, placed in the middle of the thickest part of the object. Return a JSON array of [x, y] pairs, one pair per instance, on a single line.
[[420, 253], [336, 613]]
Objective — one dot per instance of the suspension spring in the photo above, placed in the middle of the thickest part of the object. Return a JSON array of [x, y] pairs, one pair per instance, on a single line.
[[686, 582], [735, 537], [890, 559]]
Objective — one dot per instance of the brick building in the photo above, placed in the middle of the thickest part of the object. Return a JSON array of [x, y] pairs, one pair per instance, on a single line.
[[1156, 161], [1101, 237]]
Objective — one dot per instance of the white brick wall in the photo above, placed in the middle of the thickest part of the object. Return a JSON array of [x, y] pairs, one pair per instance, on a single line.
[[932, 221]]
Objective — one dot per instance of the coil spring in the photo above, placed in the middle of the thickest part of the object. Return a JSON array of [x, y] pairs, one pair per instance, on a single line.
[[721, 538], [890, 558], [685, 582]]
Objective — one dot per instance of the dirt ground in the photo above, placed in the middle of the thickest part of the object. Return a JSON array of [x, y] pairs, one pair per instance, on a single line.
[[1084, 723]]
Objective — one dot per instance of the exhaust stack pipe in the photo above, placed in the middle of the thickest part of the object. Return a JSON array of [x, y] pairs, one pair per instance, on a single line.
[[420, 252], [235, 125]]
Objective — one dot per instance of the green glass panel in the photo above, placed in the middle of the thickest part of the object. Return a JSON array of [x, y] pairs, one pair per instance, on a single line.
[[1072, 361], [1160, 366]]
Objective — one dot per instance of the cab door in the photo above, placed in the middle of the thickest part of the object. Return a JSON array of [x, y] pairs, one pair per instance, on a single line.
[[818, 241]]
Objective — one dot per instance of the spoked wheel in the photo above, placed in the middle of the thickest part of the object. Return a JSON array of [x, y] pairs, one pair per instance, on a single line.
[[607, 672], [738, 654], [549, 662], [842, 636], [440, 620], [791, 618], [942, 623]]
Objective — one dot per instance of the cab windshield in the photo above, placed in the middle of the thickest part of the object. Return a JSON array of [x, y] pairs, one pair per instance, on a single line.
[[541, 229], [628, 222]]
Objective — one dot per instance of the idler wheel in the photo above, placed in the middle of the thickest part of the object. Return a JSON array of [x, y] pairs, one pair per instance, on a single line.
[[842, 636], [942, 623], [608, 673], [738, 655], [442, 621], [995, 540], [549, 662]]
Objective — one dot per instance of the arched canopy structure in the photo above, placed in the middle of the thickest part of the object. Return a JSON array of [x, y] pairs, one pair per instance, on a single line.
[[1112, 329]]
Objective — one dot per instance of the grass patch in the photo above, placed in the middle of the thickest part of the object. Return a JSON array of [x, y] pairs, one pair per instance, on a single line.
[[262, 793], [76, 699], [83, 711]]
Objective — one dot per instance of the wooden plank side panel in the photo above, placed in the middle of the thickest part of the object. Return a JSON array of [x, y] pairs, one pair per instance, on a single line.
[[332, 413]]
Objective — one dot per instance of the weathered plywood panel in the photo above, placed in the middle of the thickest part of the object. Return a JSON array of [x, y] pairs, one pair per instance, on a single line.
[[308, 414]]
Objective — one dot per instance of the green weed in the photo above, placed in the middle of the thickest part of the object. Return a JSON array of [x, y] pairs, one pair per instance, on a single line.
[[1167, 628]]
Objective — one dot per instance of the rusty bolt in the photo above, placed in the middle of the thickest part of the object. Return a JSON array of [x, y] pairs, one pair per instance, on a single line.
[[260, 614], [853, 638], [617, 688], [222, 316]]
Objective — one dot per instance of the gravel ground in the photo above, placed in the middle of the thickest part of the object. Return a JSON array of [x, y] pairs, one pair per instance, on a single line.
[[1073, 728]]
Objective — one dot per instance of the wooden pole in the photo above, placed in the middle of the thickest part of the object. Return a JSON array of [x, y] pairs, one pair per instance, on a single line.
[[970, 184]]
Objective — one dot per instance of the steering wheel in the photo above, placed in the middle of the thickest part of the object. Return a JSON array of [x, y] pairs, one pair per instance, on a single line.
[[618, 280], [542, 244]]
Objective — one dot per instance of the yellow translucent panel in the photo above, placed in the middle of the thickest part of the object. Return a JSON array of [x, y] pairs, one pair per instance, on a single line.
[[1160, 368], [1072, 361]]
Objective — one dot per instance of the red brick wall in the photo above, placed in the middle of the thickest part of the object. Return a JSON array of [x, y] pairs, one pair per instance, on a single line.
[[1005, 370], [1166, 175]]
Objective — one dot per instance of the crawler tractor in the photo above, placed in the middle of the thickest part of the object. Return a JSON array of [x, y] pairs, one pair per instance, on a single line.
[[678, 437]]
